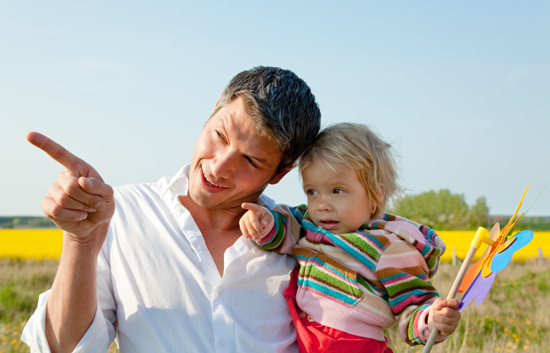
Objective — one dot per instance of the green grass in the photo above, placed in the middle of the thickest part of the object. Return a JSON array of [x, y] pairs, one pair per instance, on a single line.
[[21, 281], [515, 316]]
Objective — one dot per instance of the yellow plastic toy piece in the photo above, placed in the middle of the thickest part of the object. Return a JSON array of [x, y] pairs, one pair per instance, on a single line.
[[481, 237]]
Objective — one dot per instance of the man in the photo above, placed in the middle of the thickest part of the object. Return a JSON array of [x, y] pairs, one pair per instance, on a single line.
[[169, 269]]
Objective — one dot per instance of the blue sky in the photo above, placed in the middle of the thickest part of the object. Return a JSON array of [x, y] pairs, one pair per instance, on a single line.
[[460, 90]]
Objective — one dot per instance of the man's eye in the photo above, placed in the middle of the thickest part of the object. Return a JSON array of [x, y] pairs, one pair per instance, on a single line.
[[338, 191], [251, 162], [220, 135]]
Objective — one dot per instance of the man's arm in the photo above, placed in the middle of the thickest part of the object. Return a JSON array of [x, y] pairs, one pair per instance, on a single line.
[[82, 205]]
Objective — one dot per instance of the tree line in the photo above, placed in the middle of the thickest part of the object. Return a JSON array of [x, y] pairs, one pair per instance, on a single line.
[[439, 210], [443, 210], [25, 222]]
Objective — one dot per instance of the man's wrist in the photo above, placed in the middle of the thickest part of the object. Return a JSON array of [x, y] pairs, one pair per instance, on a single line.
[[89, 245]]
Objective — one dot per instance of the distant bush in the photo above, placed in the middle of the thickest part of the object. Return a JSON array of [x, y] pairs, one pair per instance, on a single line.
[[443, 210], [25, 222]]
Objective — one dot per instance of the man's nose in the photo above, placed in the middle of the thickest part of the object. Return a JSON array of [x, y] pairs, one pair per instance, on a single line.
[[225, 163]]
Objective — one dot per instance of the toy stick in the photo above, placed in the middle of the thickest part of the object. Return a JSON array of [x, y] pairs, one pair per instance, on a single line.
[[480, 237]]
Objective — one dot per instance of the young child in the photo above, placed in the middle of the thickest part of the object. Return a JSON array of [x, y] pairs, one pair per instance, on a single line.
[[360, 270]]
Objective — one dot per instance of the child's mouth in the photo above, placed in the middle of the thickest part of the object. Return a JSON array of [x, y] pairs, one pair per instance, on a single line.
[[328, 224]]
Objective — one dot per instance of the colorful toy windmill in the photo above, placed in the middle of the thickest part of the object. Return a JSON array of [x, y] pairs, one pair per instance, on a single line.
[[477, 281]]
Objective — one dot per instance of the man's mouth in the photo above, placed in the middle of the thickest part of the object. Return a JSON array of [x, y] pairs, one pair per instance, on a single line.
[[210, 183]]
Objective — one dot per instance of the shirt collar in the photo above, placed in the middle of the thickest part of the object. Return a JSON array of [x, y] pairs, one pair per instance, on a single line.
[[178, 185]]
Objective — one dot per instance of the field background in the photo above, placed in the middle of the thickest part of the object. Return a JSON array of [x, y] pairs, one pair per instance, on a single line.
[[46, 244], [515, 317]]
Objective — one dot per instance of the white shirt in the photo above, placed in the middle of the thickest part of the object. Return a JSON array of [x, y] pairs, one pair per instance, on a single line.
[[157, 279]]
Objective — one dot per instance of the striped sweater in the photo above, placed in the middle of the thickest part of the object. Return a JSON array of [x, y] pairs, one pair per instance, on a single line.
[[365, 281]]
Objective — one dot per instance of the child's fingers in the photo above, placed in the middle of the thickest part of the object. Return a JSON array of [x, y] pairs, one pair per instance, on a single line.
[[444, 329], [255, 223], [453, 304], [251, 224], [261, 215], [244, 229], [448, 312], [446, 318], [438, 304], [441, 304], [255, 208], [444, 303], [446, 325]]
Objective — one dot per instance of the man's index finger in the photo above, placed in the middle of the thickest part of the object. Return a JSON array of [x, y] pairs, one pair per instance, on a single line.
[[60, 154]]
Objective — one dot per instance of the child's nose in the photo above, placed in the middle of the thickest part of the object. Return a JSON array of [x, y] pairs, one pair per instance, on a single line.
[[324, 204]]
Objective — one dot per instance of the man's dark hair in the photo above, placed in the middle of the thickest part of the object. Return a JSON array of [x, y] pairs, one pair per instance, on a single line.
[[282, 106]]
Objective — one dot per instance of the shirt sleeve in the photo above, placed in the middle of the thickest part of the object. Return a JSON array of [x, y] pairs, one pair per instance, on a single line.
[[101, 332], [405, 275], [285, 230]]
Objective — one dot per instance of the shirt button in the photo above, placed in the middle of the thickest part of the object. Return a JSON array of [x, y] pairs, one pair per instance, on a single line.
[[223, 342], [220, 290]]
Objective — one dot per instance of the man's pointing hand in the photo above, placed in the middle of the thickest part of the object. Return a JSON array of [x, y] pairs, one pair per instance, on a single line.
[[79, 203]]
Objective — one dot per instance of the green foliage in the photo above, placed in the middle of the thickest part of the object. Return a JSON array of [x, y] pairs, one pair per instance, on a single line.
[[25, 222], [536, 223], [478, 214], [443, 210]]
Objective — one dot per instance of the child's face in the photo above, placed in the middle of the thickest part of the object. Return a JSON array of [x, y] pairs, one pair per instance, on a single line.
[[337, 201]]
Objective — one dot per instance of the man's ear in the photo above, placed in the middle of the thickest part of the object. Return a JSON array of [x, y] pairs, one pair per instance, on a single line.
[[281, 174], [213, 110]]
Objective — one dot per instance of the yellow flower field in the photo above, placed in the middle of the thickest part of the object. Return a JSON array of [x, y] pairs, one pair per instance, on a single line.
[[46, 243], [31, 243], [461, 239]]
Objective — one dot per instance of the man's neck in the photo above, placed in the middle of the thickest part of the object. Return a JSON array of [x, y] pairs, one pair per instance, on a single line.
[[219, 227], [223, 220]]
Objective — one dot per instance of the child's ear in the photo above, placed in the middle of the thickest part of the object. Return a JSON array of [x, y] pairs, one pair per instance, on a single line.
[[382, 191], [376, 210], [281, 174]]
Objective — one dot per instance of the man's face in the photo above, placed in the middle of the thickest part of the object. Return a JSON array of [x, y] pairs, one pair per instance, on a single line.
[[231, 162]]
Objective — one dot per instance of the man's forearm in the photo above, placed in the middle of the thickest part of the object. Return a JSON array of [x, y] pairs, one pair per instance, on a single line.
[[73, 299]]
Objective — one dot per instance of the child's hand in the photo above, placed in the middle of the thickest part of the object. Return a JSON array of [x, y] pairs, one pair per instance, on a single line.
[[444, 316], [254, 222]]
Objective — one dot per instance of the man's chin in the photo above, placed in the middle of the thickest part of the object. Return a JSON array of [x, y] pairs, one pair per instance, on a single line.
[[214, 202]]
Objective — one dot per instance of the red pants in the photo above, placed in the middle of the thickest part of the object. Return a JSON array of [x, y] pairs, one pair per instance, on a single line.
[[314, 337]]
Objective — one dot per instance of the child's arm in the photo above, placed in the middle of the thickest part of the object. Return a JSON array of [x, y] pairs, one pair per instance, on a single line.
[[412, 297], [280, 233]]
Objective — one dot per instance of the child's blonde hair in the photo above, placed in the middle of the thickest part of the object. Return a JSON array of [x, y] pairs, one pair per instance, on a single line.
[[357, 147]]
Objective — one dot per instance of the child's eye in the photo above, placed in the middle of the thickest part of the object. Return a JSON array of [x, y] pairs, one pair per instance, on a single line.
[[338, 191], [311, 192]]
